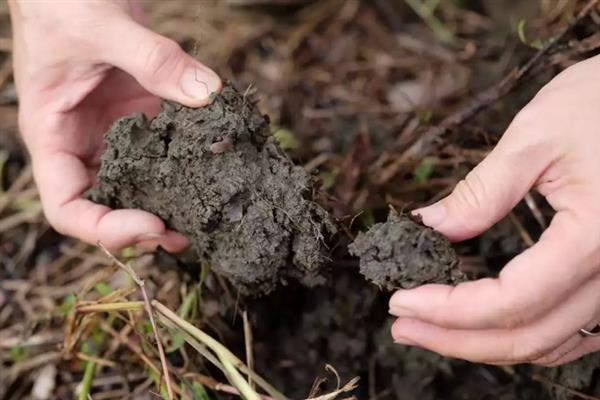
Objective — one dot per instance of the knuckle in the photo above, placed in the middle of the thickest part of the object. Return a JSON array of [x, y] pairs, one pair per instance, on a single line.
[[471, 190], [531, 131], [56, 221], [511, 316], [162, 56], [442, 313], [528, 117], [513, 321], [510, 313]]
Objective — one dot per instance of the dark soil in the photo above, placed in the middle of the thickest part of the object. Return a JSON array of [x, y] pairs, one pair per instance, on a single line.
[[355, 84], [580, 375], [216, 175], [404, 253], [346, 325]]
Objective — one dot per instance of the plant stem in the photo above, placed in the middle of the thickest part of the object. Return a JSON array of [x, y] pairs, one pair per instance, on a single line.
[[86, 382]]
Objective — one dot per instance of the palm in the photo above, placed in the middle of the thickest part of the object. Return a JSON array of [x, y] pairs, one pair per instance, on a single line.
[[117, 95], [67, 156], [70, 92]]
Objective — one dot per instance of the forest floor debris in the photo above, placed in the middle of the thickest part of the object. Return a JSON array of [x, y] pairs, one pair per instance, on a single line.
[[326, 74]]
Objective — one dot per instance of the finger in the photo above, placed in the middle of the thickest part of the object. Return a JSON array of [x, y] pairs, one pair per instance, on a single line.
[[496, 347], [62, 178], [587, 345], [159, 64], [524, 344], [490, 190], [472, 346], [116, 229], [171, 241], [561, 351], [528, 286]]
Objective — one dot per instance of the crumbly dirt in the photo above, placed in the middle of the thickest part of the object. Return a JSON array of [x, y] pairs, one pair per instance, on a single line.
[[404, 253], [216, 175]]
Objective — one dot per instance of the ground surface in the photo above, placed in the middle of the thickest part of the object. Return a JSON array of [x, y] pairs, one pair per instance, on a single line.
[[350, 86]]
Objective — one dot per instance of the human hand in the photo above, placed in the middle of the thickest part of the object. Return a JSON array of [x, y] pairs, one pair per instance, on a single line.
[[533, 311], [79, 65]]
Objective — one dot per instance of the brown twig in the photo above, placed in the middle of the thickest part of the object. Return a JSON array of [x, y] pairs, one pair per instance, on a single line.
[[137, 350], [426, 142], [573, 392], [148, 308], [537, 213], [97, 360], [527, 239], [248, 345]]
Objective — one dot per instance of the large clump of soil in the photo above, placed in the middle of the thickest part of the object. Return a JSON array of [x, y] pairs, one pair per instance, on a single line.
[[216, 175], [404, 253]]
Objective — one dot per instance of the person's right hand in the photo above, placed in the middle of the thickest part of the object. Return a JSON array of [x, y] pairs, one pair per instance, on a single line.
[[533, 312], [79, 65]]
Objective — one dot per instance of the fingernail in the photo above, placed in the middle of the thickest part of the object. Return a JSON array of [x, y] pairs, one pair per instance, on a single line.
[[404, 341], [150, 236], [397, 305], [199, 82], [433, 215], [400, 312], [177, 242]]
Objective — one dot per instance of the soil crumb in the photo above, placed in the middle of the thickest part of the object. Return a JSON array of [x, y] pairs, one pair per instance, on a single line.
[[404, 253], [216, 175]]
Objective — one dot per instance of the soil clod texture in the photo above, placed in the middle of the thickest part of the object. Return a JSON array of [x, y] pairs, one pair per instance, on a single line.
[[404, 253], [216, 175]]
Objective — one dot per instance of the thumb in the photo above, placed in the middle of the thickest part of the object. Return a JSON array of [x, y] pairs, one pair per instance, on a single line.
[[486, 194], [159, 64]]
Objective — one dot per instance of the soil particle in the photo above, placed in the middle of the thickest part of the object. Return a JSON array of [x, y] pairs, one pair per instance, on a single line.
[[216, 175], [404, 253]]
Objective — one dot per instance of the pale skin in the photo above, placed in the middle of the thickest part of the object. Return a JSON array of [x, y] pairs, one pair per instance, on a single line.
[[79, 65]]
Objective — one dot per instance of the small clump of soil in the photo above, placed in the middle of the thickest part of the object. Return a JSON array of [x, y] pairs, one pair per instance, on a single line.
[[216, 175], [404, 253]]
